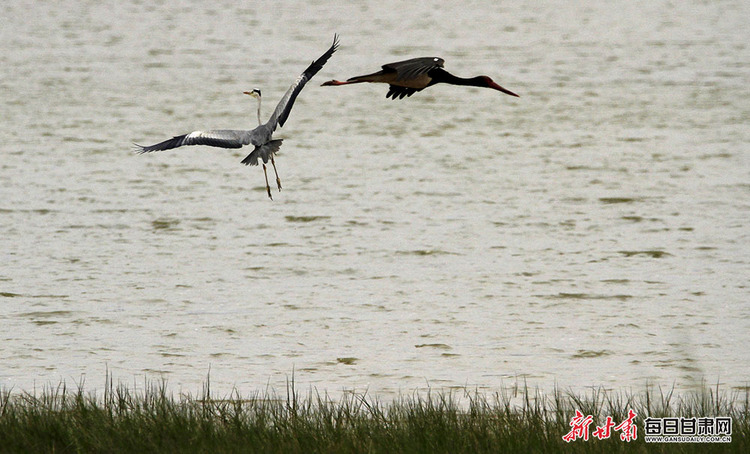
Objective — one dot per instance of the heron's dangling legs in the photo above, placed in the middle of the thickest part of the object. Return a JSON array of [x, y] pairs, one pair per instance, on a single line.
[[278, 180], [268, 188]]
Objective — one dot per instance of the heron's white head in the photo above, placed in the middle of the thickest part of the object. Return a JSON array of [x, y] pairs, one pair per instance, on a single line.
[[255, 93]]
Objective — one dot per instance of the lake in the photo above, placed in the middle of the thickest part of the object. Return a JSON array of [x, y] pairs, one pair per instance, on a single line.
[[593, 232]]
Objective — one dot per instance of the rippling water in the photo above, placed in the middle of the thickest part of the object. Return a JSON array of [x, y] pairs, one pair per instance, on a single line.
[[591, 232]]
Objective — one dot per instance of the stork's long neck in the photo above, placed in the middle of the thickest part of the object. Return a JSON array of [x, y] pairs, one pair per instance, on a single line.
[[448, 78]]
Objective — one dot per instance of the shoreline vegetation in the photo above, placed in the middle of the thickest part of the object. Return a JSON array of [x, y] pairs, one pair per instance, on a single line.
[[66, 419]]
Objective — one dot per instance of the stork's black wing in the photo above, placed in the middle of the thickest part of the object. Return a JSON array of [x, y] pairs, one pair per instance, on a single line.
[[413, 68], [396, 92]]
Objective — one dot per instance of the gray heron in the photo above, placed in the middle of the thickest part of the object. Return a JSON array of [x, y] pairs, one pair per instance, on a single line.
[[262, 136], [410, 76]]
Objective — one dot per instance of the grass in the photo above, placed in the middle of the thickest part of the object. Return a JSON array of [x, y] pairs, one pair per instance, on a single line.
[[61, 420]]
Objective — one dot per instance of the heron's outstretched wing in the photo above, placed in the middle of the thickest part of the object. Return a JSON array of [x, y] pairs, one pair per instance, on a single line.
[[224, 138], [413, 68], [285, 105]]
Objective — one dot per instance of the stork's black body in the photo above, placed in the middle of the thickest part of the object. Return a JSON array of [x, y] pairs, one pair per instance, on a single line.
[[410, 76]]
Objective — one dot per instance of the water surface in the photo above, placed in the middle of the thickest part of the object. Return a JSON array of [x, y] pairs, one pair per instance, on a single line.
[[592, 232]]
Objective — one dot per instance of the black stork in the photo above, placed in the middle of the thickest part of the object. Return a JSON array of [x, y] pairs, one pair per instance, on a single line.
[[410, 76]]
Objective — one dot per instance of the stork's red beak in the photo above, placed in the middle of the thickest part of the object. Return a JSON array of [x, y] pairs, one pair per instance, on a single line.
[[499, 88]]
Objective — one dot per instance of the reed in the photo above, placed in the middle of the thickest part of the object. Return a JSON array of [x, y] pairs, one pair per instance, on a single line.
[[121, 420]]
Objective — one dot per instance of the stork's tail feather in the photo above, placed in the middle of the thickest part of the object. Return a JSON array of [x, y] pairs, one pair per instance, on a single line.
[[353, 80], [263, 152]]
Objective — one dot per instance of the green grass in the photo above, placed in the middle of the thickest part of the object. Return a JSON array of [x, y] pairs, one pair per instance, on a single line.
[[62, 420]]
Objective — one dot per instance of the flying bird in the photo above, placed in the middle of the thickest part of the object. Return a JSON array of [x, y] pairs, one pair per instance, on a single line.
[[410, 76], [262, 136]]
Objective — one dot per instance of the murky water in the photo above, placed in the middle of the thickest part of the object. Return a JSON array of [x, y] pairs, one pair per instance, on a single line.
[[591, 232]]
